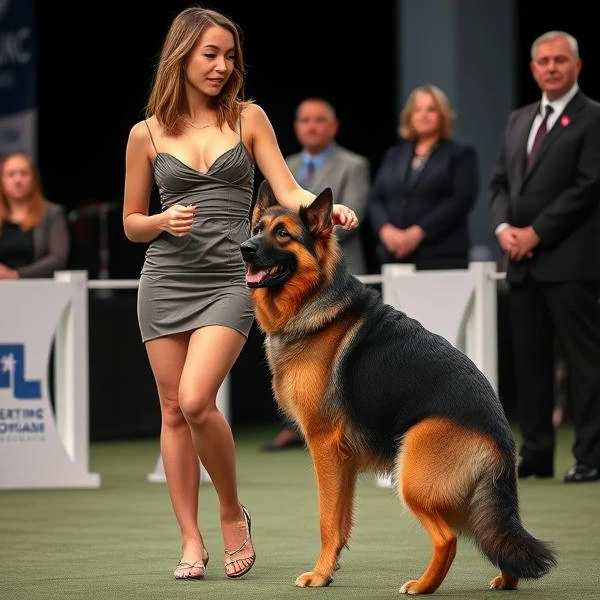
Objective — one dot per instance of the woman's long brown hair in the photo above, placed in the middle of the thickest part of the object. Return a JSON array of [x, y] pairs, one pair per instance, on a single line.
[[167, 97]]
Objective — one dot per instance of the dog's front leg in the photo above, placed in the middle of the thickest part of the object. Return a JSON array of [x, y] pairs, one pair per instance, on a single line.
[[335, 473]]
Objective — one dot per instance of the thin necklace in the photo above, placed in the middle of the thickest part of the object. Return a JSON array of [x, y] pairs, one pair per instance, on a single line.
[[419, 159], [188, 122]]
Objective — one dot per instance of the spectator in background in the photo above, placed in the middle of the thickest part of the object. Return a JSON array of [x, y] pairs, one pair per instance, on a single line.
[[425, 188], [34, 237], [544, 196], [324, 163]]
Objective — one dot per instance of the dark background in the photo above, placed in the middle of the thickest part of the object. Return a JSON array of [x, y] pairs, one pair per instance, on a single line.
[[93, 81], [348, 56], [534, 17], [85, 113]]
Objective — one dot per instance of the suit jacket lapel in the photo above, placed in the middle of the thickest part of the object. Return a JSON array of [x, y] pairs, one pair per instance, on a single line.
[[294, 164], [411, 182], [323, 173], [521, 136], [574, 106], [404, 158]]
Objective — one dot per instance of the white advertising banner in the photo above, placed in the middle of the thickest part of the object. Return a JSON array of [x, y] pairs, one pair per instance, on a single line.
[[37, 448]]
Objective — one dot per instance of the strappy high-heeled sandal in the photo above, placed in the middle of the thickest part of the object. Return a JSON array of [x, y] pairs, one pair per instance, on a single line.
[[200, 565], [246, 562]]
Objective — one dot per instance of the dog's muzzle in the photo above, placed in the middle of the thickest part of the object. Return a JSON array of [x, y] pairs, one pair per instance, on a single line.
[[263, 270], [248, 250]]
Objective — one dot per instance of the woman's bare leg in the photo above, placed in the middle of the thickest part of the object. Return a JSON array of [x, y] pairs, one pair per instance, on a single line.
[[212, 352], [167, 357]]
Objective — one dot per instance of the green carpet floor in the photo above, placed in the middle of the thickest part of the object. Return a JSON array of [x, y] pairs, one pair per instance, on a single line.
[[120, 541]]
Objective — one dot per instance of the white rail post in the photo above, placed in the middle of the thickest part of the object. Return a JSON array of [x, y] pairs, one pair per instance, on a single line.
[[37, 451], [482, 327]]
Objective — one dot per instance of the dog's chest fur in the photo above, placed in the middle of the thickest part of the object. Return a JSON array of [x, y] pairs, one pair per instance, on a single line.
[[305, 371]]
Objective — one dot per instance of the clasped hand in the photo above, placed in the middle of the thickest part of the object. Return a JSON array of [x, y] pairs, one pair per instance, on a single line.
[[177, 219], [401, 242], [518, 242]]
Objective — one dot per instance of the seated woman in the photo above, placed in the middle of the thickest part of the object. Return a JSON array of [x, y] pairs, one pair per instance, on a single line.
[[425, 188], [34, 237]]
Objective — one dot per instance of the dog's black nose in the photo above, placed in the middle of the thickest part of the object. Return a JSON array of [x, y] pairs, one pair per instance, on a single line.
[[248, 249]]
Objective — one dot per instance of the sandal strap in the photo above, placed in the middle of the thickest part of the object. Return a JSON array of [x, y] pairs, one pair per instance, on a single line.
[[247, 524], [199, 564], [238, 550], [245, 562]]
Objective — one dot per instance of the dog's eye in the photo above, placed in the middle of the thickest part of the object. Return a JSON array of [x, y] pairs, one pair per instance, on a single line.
[[282, 233], [257, 229]]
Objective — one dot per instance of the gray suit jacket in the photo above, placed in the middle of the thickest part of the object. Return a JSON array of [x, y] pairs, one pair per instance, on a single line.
[[348, 175], [50, 244]]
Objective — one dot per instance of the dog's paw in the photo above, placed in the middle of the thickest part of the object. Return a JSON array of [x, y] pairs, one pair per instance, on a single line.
[[412, 587], [313, 579], [504, 582]]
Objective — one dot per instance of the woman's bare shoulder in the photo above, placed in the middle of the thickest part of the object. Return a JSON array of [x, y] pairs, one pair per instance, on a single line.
[[253, 112], [140, 129]]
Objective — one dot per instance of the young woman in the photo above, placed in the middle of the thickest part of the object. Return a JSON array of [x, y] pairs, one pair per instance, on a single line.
[[34, 237], [200, 142]]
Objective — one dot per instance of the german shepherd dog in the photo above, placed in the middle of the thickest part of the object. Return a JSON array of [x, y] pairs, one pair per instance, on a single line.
[[373, 389]]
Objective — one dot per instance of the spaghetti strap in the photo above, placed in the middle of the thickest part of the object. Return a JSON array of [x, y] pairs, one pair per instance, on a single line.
[[151, 138]]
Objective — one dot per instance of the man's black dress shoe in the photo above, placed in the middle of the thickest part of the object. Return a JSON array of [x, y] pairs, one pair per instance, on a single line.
[[581, 473], [527, 467]]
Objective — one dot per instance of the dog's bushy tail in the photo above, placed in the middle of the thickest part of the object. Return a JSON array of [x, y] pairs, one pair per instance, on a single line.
[[499, 533]]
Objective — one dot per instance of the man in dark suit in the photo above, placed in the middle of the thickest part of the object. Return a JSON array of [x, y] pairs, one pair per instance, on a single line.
[[322, 163], [545, 197]]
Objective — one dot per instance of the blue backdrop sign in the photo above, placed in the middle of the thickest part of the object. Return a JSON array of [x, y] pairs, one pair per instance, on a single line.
[[18, 114]]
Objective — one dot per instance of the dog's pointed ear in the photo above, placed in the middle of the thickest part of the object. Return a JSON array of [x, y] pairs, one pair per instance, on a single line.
[[264, 199], [318, 214]]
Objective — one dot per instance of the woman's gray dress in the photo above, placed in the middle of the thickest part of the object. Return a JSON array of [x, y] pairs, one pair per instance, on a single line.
[[199, 279]]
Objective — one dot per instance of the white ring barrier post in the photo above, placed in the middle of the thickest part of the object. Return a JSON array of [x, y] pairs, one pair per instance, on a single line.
[[158, 475], [35, 450], [459, 305]]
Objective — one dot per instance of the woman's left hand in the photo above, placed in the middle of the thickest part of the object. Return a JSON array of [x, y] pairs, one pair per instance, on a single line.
[[344, 216]]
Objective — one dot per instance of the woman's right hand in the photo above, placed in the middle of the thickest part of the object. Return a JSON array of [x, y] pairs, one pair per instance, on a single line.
[[177, 219]]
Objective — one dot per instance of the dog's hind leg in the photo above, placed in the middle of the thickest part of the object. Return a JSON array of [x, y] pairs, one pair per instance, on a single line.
[[433, 485], [336, 482], [504, 581], [443, 540]]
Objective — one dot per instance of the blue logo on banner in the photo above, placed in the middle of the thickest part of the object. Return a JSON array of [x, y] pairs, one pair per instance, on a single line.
[[12, 373]]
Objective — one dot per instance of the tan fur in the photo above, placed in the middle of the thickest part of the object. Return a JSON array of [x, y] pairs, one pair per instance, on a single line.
[[274, 311], [439, 466], [302, 373]]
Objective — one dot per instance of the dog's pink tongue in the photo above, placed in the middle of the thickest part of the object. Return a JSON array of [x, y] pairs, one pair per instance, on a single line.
[[254, 277]]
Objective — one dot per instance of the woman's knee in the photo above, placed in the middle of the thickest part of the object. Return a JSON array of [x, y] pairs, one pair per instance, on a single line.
[[197, 408], [172, 415]]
